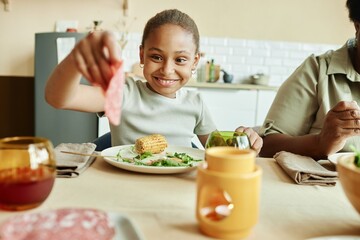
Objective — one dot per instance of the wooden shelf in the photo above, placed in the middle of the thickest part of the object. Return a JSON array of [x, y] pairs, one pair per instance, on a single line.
[[221, 85]]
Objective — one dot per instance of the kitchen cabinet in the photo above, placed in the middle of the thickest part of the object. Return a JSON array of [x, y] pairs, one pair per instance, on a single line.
[[263, 104], [236, 105], [231, 108]]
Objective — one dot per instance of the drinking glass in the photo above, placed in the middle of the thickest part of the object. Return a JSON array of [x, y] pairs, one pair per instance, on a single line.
[[27, 172], [228, 138]]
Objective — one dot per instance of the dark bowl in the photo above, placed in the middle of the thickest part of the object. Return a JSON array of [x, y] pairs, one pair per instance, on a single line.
[[228, 78]]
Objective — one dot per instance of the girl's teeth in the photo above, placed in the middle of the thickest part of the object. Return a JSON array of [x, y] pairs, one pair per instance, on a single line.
[[166, 81]]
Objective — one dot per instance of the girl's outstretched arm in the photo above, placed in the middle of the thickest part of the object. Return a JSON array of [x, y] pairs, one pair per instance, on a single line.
[[92, 58]]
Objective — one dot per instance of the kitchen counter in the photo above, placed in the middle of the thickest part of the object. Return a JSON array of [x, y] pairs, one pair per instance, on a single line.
[[217, 85], [250, 102], [235, 86]]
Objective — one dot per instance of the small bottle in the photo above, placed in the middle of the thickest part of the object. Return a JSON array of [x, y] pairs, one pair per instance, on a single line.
[[206, 71], [201, 73], [212, 71]]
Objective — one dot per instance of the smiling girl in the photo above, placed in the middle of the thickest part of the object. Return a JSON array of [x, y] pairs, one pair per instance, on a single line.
[[169, 54]]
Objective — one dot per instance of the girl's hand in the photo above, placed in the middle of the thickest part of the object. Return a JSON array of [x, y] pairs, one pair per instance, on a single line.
[[256, 141], [341, 122], [95, 56]]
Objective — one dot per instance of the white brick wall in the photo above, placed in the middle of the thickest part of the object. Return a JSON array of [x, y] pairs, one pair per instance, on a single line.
[[244, 57]]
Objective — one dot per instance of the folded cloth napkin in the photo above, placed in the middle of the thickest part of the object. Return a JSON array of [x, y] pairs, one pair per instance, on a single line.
[[71, 165], [305, 170]]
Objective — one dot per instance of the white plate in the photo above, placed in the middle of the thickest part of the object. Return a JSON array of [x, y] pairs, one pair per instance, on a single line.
[[125, 229], [336, 156], [113, 151]]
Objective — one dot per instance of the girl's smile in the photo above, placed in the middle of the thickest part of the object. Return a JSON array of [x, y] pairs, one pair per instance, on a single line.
[[166, 83]]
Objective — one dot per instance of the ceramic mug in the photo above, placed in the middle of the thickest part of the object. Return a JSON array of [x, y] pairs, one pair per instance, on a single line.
[[227, 204]]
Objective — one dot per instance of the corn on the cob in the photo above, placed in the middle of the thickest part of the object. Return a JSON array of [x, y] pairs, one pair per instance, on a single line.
[[154, 143]]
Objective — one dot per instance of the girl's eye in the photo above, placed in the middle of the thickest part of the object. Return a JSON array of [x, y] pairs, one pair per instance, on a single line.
[[156, 58], [181, 60]]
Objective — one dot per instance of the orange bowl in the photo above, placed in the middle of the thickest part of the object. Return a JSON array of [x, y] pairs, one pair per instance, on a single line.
[[349, 176]]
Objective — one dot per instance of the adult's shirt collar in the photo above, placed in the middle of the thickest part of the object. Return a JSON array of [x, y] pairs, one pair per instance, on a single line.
[[340, 62]]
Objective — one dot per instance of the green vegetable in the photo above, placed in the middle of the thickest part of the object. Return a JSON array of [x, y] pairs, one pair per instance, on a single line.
[[184, 157], [167, 163], [144, 155], [357, 160], [357, 156], [127, 160], [118, 156]]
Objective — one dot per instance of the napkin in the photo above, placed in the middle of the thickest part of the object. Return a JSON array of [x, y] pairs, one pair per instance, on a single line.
[[305, 170], [70, 165]]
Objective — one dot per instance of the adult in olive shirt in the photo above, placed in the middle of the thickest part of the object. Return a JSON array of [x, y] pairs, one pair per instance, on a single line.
[[316, 111]]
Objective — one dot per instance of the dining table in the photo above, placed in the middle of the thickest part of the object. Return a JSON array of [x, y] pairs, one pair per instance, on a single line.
[[162, 206]]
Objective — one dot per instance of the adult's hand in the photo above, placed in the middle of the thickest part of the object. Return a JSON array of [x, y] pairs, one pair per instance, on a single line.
[[95, 56], [341, 122], [256, 141]]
